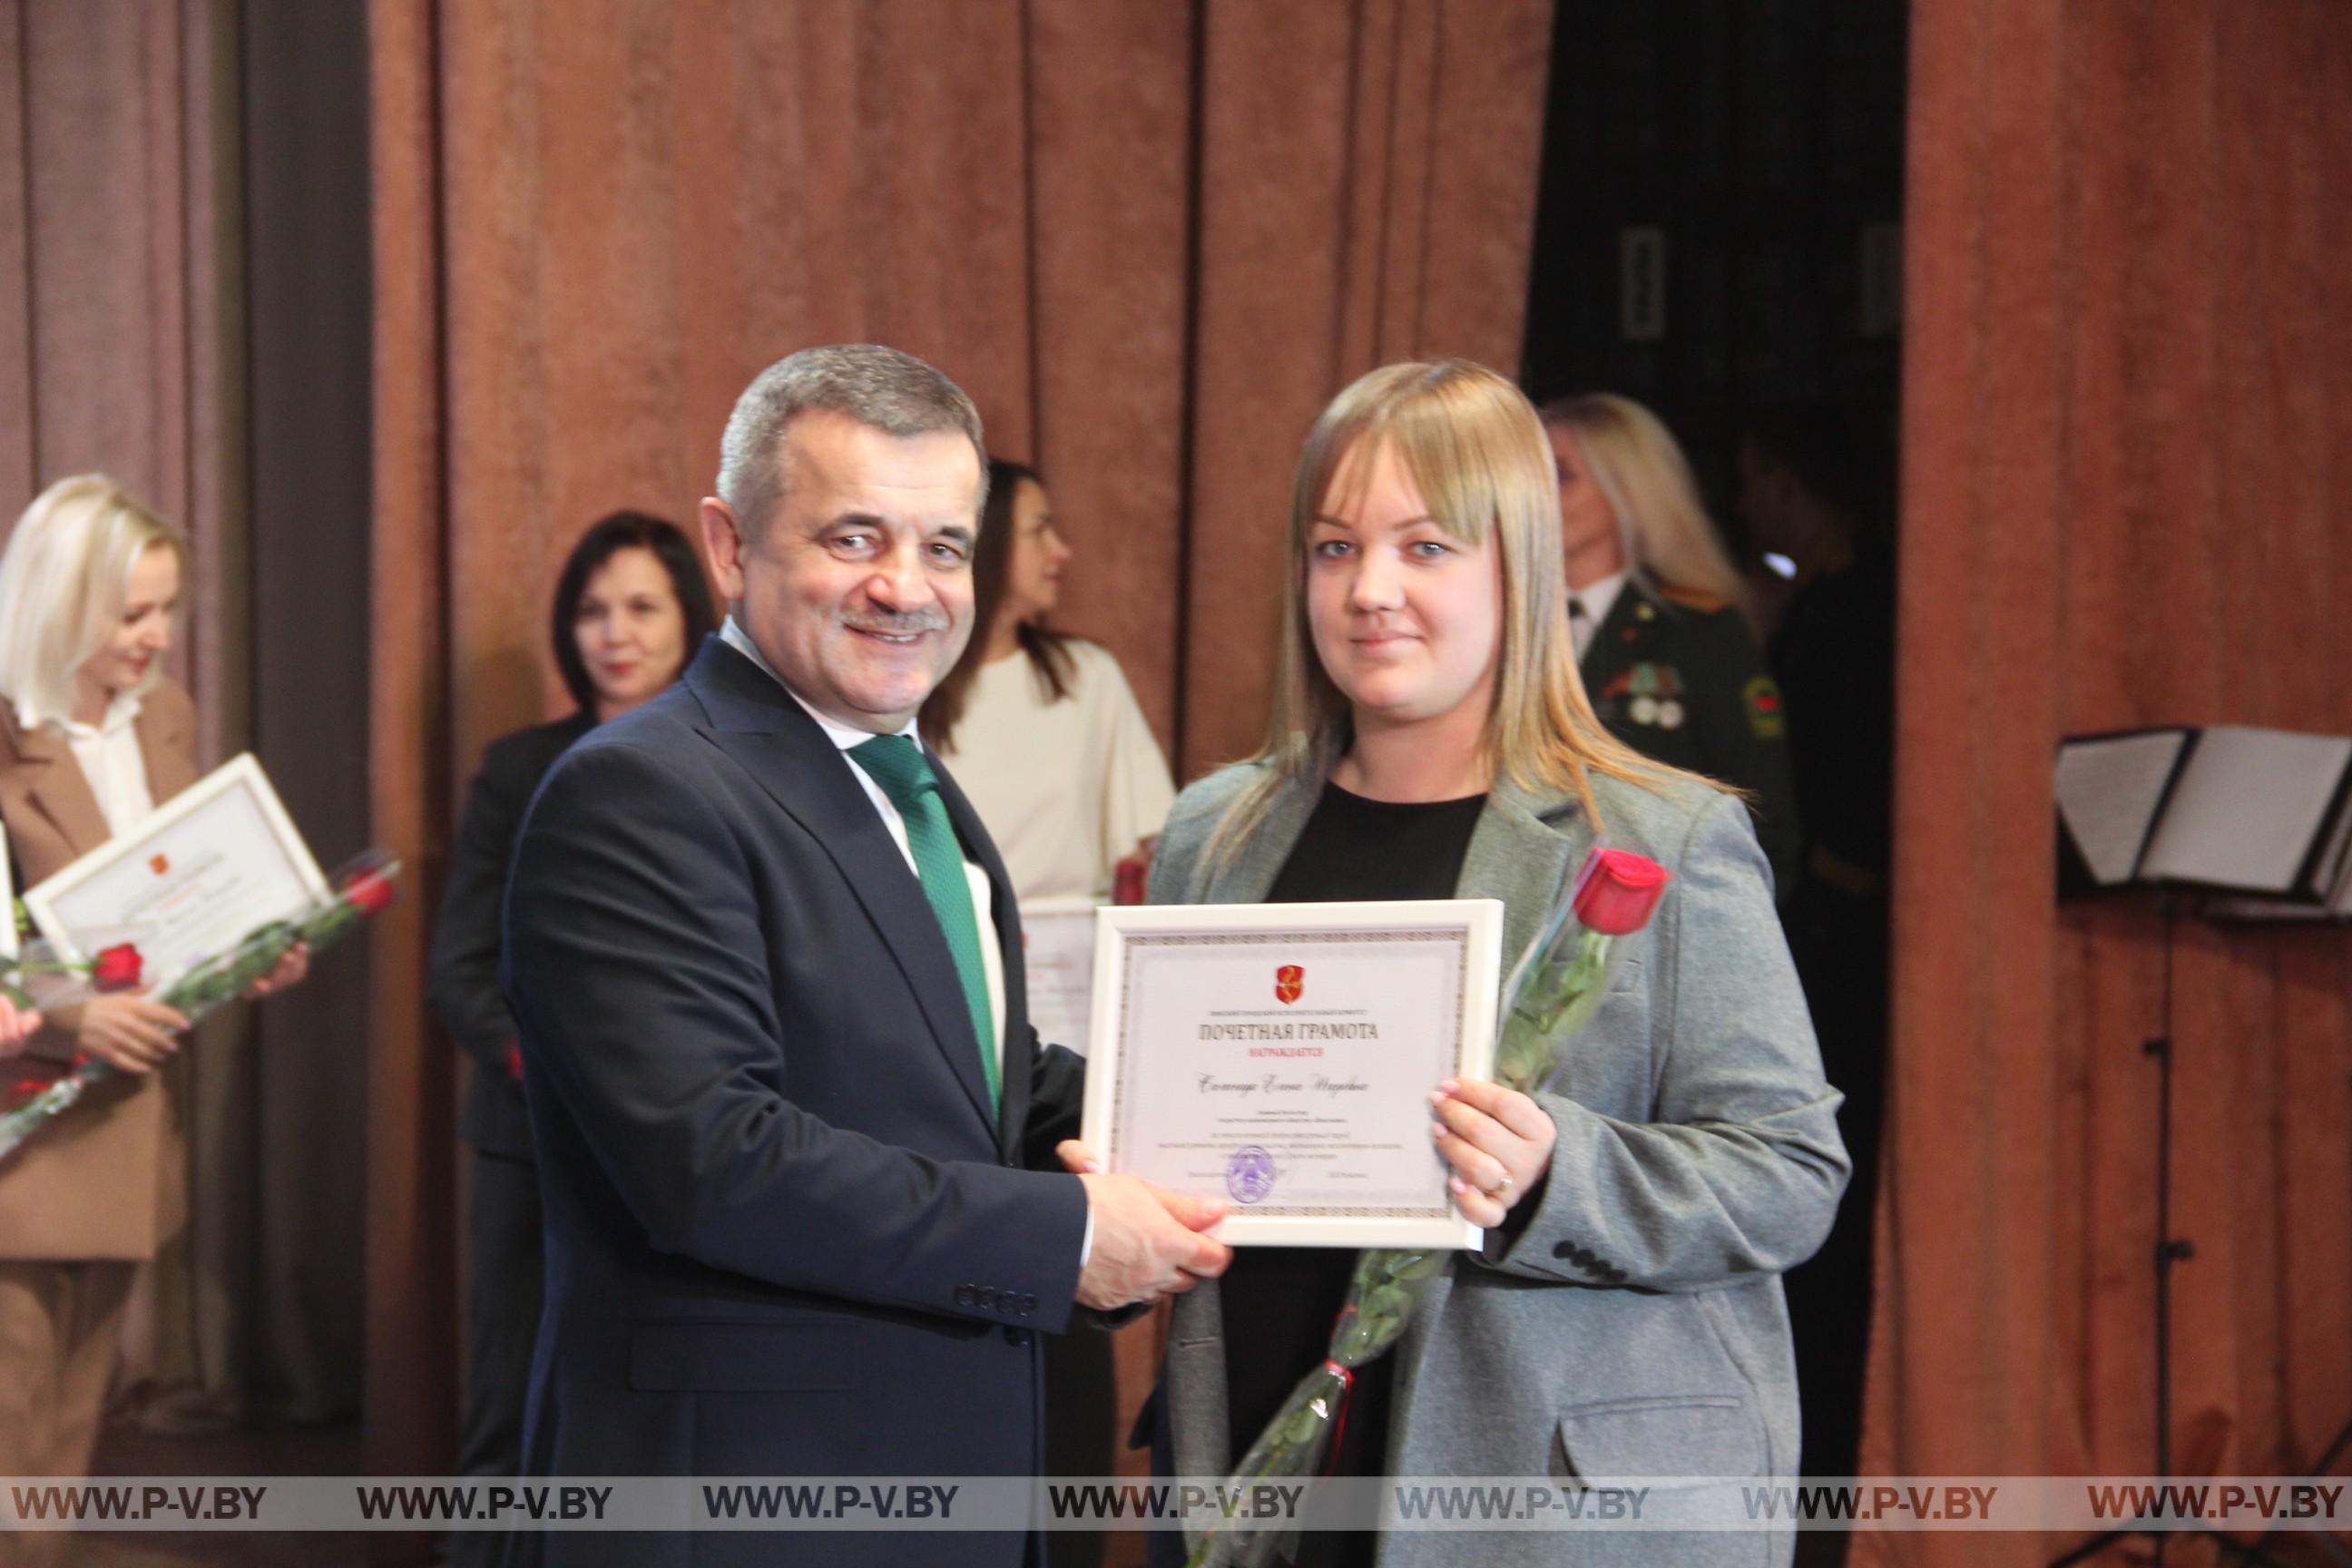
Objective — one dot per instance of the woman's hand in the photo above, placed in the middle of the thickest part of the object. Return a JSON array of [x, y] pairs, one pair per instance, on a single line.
[[286, 972], [16, 1026], [1077, 1158], [124, 1030], [1498, 1142]]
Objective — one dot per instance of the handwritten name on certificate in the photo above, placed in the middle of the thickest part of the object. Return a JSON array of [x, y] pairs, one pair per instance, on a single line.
[[1280, 1057]]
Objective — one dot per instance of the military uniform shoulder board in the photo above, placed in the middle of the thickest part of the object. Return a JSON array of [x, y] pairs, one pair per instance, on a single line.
[[1766, 714], [1692, 599]]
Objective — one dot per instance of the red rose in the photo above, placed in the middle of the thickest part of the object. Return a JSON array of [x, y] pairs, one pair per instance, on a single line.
[[116, 968], [369, 892], [1618, 890], [1130, 879]]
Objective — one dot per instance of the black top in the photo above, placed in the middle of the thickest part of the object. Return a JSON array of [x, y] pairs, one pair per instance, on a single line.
[[462, 978], [1279, 1301]]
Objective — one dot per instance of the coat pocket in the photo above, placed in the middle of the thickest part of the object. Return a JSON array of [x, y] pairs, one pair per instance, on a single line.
[[810, 1356], [1656, 1439]]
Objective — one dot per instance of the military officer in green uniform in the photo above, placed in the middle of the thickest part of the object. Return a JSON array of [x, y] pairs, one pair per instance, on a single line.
[[1667, 656]]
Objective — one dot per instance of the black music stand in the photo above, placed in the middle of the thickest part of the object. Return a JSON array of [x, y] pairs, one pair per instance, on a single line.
[[2170, 1250]]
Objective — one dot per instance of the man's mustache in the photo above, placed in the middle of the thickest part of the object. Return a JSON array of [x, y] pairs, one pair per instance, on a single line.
[[899, 626]]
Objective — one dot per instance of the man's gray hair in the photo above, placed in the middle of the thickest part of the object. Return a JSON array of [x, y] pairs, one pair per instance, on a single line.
[[892, 391]]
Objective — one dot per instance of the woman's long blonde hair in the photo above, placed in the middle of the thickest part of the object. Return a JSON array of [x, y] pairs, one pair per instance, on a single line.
[[63, 580], [1478, 454], [1662, 523]]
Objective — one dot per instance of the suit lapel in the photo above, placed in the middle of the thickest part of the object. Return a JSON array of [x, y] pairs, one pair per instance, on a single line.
[[166, 749], [61, 791], [1248, 876], [1523, 851], [798, 766]]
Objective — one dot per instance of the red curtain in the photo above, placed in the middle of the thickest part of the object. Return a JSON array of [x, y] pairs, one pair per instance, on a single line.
[[1150, 240], [2127, 447], [119, 307], [122, 348]]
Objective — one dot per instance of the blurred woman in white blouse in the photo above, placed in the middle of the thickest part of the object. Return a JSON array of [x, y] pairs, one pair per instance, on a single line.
[[1041, 731], [1039, 727]]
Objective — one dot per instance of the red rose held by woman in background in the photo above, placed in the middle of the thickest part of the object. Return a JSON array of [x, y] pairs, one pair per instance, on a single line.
[[116, 968], [369, 892]]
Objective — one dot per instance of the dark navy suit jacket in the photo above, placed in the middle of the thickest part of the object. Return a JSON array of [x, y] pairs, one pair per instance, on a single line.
[[784, 1236]]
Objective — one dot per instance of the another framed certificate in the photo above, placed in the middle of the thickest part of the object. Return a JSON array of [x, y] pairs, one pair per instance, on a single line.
[[1058, 952], [1280, 1057], [191, 881]]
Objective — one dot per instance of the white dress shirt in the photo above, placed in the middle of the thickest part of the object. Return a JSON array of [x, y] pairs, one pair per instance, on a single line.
[[1596, 601], [110, 760], [982, 896], [992, 953]]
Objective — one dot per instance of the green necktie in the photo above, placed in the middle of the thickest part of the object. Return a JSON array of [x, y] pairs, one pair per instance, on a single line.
[[898, 764]]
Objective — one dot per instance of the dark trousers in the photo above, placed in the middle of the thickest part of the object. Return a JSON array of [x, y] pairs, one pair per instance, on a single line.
[[501, 1326], [1081, 1401]]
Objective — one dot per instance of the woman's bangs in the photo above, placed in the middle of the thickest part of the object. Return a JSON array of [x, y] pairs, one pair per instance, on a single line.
[[1452, 463]]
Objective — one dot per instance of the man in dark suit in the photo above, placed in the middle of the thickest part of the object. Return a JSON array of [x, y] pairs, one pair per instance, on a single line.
[[795, 1132]]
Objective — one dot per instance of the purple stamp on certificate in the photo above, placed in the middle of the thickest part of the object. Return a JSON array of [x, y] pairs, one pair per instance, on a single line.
[[1249, 1174]]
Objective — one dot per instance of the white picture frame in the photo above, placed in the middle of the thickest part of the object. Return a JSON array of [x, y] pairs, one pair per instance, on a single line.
[[1279, 1056], [189, 882]]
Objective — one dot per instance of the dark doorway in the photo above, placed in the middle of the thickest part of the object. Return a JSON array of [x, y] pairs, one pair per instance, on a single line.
[[1718, 238], [1718, 223]]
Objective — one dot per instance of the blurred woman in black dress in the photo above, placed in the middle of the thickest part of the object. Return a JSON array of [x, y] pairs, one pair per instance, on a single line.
[[631, 607]]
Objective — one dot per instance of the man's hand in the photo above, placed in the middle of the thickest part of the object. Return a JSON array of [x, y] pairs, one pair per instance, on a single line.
[[1148, 1243]]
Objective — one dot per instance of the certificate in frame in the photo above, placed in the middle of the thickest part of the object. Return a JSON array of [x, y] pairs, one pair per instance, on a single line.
[[1057, 941], [1279, 1056], [193, 879]]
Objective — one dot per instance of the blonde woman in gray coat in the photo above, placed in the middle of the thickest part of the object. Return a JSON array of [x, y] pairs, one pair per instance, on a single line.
[[1430, 739]]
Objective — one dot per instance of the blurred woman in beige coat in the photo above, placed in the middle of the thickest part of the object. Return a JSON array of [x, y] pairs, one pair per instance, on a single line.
[[93, 737]]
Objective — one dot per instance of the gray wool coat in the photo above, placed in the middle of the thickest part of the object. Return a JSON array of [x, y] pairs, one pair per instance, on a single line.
[[1633, 1325]]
